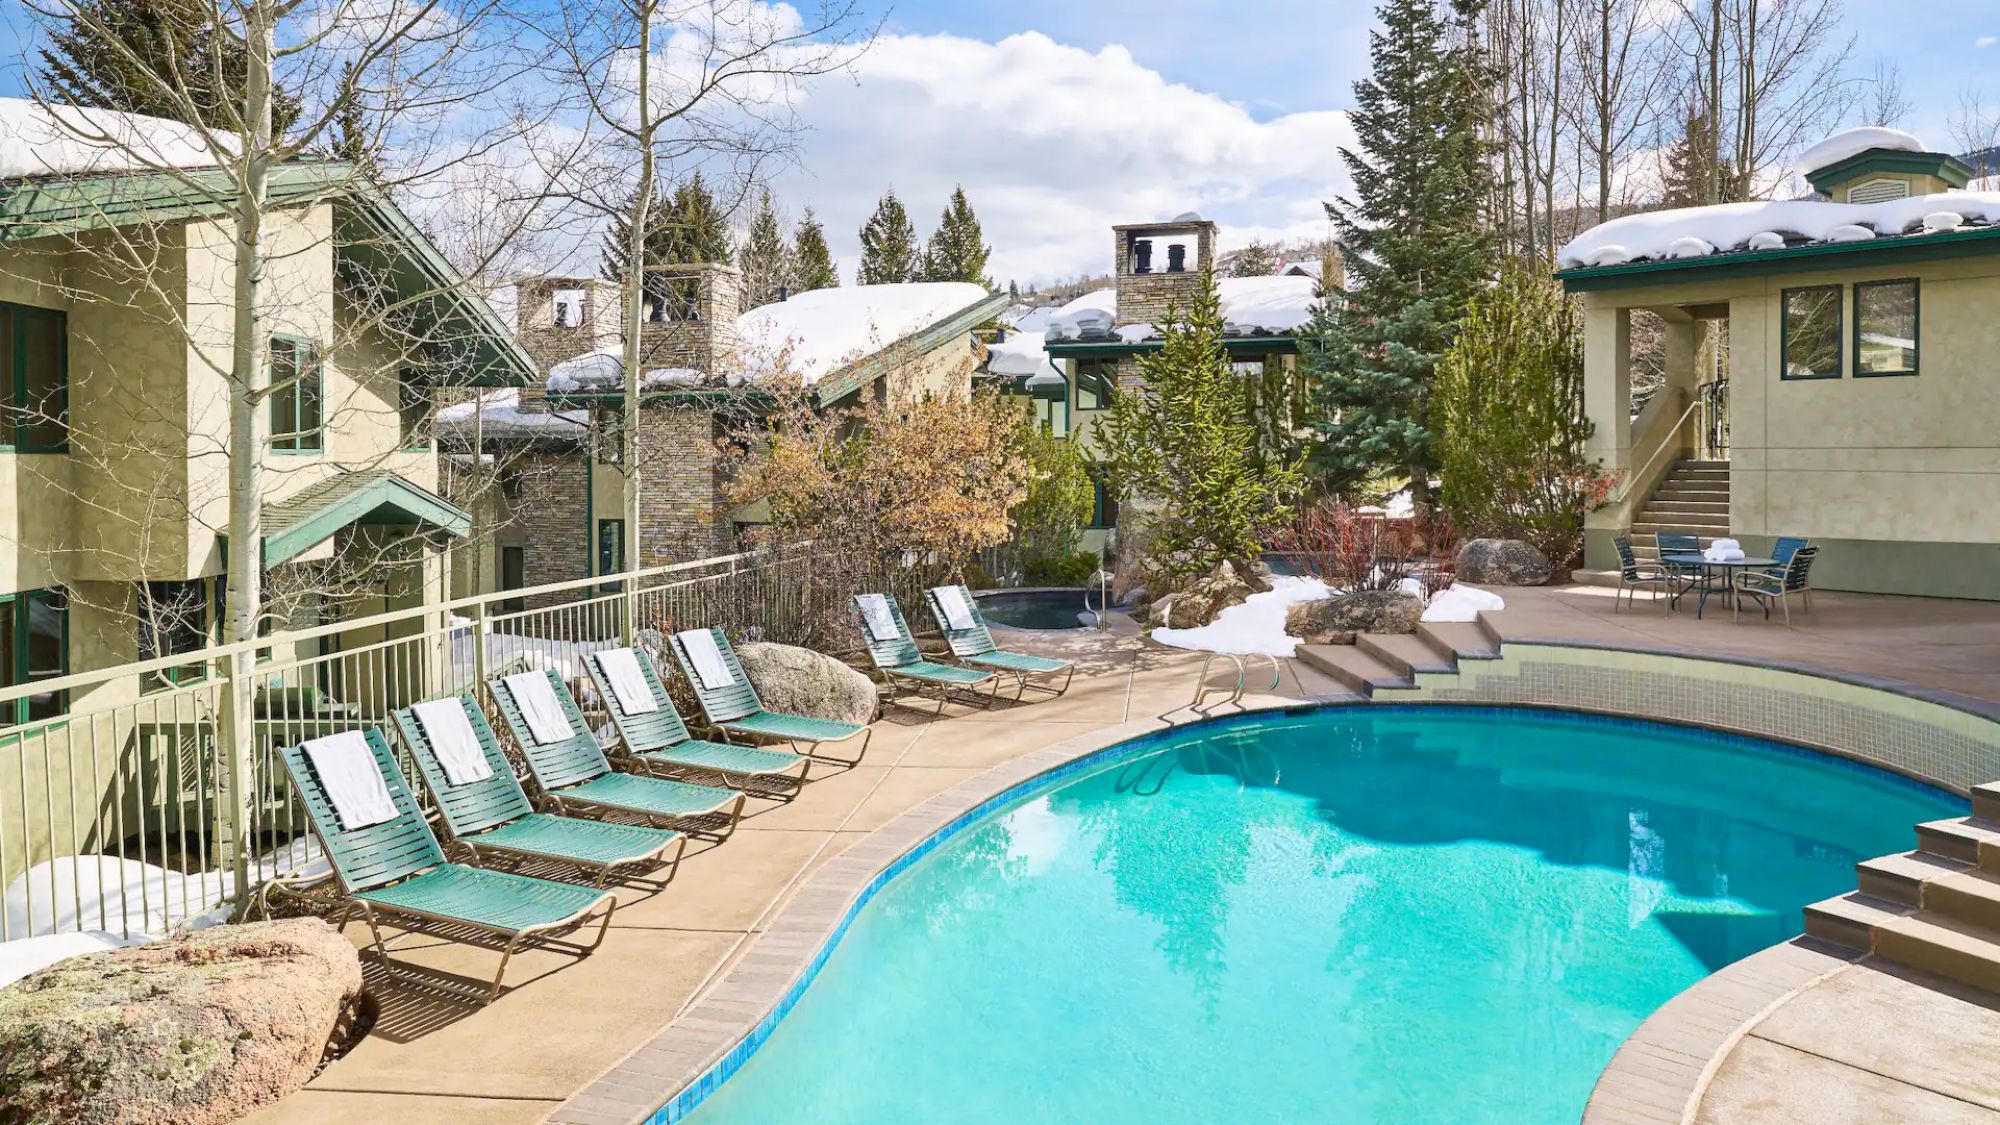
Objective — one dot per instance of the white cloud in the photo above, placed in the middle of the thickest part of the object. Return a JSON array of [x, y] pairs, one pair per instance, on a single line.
[[1054, 144], [1986, 41]]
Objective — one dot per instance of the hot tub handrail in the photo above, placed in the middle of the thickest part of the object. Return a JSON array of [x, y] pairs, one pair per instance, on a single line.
[[1202, 690]]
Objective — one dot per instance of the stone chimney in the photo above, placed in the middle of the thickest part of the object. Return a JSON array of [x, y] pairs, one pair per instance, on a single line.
[[691, 317], [1145, 286], [560, 318]]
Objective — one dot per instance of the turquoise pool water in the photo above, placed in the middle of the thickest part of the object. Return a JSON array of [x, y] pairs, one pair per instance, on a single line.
[[1350, 915]]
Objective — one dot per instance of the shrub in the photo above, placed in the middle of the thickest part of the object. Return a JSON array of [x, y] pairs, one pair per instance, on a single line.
[[1508, 413], [1049, 522], [1061, 570], [1347, 549]]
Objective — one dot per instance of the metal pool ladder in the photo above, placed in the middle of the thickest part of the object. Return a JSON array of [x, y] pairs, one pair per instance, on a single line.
[[1202, 690]]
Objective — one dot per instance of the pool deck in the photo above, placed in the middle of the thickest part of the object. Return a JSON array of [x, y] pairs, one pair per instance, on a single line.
[[1795, 1034]]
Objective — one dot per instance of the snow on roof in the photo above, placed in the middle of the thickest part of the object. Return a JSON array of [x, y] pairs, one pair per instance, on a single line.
[[39, 140], [499, 412], [1028, 318], [1770, 225], [1021, 353], [1307, 267], [1853, 142], [1251, 306], [822, 330]]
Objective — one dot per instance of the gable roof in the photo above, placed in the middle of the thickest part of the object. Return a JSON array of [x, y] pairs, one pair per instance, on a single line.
[[374, 240], [312, 515]]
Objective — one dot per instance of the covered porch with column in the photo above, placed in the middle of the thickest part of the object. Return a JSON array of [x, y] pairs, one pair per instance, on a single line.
[[1669, 458]]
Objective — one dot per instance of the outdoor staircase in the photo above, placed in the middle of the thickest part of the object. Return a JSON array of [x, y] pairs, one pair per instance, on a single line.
[[1377, 664], [1693, 497], [1935, 909]]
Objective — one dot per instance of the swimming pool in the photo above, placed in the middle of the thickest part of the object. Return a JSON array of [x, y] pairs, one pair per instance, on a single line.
[[1036, 609], [1349, 915]]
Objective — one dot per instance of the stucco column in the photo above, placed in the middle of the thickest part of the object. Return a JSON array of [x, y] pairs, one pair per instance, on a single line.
[[1683, 352], [1607, 402]]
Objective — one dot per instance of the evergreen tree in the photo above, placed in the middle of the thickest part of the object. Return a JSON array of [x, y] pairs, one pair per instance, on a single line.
[[701, 226], [1179, 442], [660, 237], [766, 260], [957, 250], [1692, 164], [1255, 260], [888, 245], [812, 262], [352, 139], [1414, 239], [86, 63]]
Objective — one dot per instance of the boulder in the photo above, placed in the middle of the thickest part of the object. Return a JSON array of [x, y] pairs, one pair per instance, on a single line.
[[1503, 562], [1338, 619], [803, 682], [1199, 604], [195, 1029]]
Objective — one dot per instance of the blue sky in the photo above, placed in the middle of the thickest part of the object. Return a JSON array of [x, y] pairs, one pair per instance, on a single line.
[[1062, 117]]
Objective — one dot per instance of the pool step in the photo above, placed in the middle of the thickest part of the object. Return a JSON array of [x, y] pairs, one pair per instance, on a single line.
[[1405, 653], [1903, 878], [1851, 919], [1460, 640], [1353, 666], [1936, 909], [1968, 840], [1986, 802], [1947, 946]]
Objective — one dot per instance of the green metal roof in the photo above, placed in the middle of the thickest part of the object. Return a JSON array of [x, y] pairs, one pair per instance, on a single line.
[[377, 248], [1945, 167], [311, 516], [1893, 250]]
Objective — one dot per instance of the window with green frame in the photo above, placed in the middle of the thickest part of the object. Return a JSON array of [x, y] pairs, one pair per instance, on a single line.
[[1094, 380], [1810, 335], [173, 621], [414, 409], [34, 395], [297, 381], [610, 551], [1885, 328], [34, 645]]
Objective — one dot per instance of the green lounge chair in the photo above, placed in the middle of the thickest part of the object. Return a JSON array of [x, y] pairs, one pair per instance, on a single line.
[[975, 646], [574, 772], [494, 815], [397, 868], [899, 659], [660, 742], [735, 709]]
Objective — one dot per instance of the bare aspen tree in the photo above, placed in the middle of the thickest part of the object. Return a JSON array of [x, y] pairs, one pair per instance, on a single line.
[[1621, 75]]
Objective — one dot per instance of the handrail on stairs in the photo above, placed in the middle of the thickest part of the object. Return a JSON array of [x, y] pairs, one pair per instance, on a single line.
[[1625, 489]]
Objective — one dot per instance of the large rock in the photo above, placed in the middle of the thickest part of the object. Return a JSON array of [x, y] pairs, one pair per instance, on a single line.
[[196, 1029], [1199, 604], [1338, 619], [1503, 562], [803, 682]]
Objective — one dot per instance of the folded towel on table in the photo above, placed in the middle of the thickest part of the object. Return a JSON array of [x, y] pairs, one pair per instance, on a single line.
[[881, 623], [628, 682], [702, 651], [353, 782], [539, 707], [453, 740], [957, 611]]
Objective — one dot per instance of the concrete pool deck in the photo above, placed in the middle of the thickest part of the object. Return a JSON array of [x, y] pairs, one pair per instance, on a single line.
[[563, 1024]]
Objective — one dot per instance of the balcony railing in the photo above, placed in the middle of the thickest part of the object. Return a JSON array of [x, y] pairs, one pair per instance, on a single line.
[[141, 810]]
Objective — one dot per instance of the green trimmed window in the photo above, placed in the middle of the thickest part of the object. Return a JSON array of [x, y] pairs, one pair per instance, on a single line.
[[34, 645], [610, 550], [297, 382], [1885, 328], [1094, 380], [1052, 414], [173, 621], [414, 410], [1811, 333], [34, 395]]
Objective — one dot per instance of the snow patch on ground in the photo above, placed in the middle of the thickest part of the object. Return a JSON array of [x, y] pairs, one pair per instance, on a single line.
[[1459, 602], [1853, 142], [30, 955], [37, 140], [1257, 626], [131, 898]]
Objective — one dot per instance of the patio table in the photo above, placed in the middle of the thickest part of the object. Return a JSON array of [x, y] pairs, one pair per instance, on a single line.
[[1708, 566]]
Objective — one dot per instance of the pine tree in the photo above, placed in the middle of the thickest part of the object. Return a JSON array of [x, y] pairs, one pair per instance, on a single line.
[[1414, 239], [1255, 260], [812, 262], [1178, 441], [661, 239], [701, 227], [957, 250], [766, 260], [86, 62], [352, 140], [1692, 166], [888, 245]]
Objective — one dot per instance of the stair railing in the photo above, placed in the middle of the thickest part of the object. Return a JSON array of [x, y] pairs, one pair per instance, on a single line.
[[1668, 442], [1202, 690]]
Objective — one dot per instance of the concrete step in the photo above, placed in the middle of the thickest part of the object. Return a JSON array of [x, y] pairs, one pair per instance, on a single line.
[[1719, 466], [1358, 670], [1464, 640], [1698, 522], [1688, 471], [1660, 506], [1406, 653], [1671, 490], [1986, 801], [1961, 838], [1948, 947], [1905, 877], [1972, 897], [1852, 919]]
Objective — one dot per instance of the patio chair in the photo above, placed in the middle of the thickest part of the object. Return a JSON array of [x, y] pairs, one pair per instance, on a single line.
[[897, 658], [1634, 575], [731, 706], [493, 814], [972, 643], [572, 772], [659, 741], [1782, 551], [396, 867], [1766, 588]]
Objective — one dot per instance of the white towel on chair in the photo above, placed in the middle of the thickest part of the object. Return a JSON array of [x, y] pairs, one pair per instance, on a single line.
[[353, 782], [881, 623], [957, 613], [699, 644], [628, 681], [453, 740], [540, 708]]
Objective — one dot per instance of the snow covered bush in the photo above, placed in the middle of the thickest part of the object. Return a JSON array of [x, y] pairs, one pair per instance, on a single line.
[[1511, 431]]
